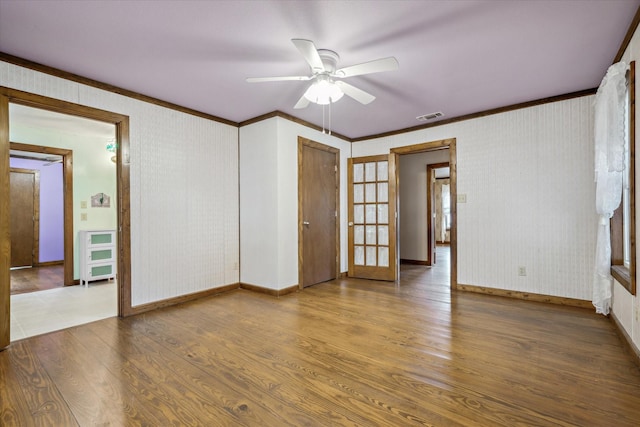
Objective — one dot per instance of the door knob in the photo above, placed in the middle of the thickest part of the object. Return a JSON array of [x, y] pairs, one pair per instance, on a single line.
[[305, 222]]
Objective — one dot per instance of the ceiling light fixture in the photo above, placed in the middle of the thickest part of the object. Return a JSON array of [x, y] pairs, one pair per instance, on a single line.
[[112, 147], [323, 91], [328, 84]]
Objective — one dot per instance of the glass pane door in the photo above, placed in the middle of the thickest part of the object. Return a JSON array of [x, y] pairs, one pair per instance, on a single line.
[[372, 218]]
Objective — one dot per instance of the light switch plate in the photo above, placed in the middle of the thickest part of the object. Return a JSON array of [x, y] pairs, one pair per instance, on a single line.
[[83, 217], [462, 198], [83, 204]]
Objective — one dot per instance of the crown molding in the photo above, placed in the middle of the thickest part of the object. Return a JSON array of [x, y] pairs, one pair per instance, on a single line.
[[481, 114], [290, 118], [627, 38], [110, 88]]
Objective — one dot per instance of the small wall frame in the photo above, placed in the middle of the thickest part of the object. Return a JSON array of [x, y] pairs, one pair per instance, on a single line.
[[100, 200]]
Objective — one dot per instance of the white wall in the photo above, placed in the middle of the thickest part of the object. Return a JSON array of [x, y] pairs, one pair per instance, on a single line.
[[259, 204], [269, 168], [413, 203], [528, 178], [626, 307], [184, 189], [93, 172]]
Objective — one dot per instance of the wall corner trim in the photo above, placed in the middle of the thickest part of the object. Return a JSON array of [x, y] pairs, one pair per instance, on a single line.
[[291, 118]]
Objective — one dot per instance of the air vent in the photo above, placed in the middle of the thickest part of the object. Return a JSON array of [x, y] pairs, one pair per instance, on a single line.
[[430, 116]]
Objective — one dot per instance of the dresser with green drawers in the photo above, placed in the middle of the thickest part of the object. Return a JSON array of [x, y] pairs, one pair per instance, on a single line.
[[97, 255]]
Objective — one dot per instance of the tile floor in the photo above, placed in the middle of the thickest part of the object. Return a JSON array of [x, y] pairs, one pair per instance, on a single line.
[[40, 312]]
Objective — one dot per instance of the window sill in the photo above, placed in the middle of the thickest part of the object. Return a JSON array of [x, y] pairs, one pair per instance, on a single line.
[[622, 275]]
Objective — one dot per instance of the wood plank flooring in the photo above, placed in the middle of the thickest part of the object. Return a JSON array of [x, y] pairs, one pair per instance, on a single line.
[[35, 279], [348, 352]]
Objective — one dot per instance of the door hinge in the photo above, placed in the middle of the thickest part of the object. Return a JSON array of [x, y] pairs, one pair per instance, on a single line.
[[335, 168]]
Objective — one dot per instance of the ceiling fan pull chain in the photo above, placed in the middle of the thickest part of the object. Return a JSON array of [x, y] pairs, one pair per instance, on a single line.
[[323, 119], [330, 103]]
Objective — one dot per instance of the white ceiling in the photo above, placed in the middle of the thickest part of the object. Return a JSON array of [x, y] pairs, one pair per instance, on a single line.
[[458, 57]]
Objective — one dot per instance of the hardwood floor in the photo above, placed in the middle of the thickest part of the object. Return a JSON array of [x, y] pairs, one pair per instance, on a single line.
[[35, 279], [348, 352]]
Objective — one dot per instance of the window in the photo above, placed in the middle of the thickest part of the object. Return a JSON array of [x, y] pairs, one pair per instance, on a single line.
[[446, 206], [623, 251]]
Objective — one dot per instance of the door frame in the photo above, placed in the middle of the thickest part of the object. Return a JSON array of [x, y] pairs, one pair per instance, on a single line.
[[67, 186], [442, 144], [302, 142], [431, 232], [35, 248], [121, 122]]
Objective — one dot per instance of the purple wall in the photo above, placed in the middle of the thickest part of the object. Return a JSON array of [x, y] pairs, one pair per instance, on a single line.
[[51, 207]]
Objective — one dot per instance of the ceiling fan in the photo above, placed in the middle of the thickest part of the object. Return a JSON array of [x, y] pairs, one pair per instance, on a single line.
[[327, 86]]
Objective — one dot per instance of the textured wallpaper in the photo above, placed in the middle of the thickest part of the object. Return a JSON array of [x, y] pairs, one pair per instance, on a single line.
[[528, 179], [184, 189]]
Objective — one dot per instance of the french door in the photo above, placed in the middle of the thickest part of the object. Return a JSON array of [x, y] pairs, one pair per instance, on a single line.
[[372, 217]]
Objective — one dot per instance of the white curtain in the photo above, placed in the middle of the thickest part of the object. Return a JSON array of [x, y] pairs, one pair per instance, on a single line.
[[609, 164], [446, 211]]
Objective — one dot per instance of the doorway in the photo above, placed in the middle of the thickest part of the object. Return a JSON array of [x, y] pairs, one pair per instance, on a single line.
[[10, 96], [318, 213], [438, 216], [39, 289], [56, 172], [434, 146]]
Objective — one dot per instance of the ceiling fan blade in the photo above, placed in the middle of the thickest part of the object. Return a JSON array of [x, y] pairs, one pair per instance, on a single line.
[[376, 66], [276, 79], [303, 102], [310, 54], [355, 93]]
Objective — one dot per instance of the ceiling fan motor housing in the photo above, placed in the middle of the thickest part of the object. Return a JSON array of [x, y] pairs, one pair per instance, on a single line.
[[329, 60]]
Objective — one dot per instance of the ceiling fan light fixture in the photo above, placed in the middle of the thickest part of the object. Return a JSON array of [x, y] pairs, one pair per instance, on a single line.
[[324, 68], [323, 92]]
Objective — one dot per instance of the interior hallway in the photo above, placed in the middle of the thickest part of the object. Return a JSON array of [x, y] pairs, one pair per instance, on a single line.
[[437, 276], [33, 279], [36, 313]]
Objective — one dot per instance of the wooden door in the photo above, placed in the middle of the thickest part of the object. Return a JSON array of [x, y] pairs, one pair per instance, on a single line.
[[372, 217], [318, 190], [24, 211]]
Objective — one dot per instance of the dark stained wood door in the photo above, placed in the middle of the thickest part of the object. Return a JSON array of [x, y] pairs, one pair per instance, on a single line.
[[318, 211], [23, 183]]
